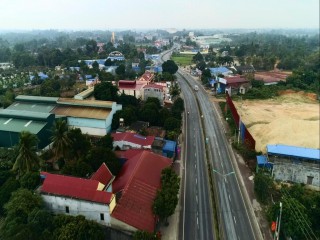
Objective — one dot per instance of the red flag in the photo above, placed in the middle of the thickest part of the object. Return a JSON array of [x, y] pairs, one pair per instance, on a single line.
[[273, 226]]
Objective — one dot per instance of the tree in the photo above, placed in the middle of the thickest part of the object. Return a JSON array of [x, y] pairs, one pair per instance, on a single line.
[[167, 198], [106, 141], [30, 180], [197, 58], [60, 140], [80, 144], [6, 189], [201, 65], [99, 155], [263, 186], [106, 91], [175, 90], [170, 66], [144, 235], [121, 70], [172, 124], [27, 159]]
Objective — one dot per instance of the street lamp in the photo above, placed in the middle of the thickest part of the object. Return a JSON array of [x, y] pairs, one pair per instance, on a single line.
[[223, 175]]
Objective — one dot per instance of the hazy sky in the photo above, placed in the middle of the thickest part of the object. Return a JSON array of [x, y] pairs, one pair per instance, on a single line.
[[130, 14]]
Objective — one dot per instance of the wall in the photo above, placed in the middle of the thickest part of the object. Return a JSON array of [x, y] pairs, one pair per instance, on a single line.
[[8, 139], [285, 170], [153, 92], [78, 207]]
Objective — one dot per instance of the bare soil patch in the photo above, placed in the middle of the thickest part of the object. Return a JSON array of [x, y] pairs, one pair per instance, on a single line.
[[291, 119]]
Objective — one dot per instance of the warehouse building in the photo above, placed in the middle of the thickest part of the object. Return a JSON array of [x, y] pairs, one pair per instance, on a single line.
[[295, 164], [91, 116], [12, 122]]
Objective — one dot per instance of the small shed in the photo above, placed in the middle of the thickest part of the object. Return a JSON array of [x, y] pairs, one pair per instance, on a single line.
[[169, 149], [262, 162]]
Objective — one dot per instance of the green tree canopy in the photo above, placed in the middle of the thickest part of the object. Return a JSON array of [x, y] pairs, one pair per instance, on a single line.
[[105, 91], [170, 66], [27, 159]]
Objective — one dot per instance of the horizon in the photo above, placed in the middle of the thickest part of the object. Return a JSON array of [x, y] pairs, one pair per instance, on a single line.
[[79, 15]]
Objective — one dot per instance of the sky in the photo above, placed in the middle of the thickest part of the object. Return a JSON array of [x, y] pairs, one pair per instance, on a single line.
[[157, 14]]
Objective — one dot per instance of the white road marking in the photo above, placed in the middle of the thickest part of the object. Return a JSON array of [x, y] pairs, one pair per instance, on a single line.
[[198, 222], [196, 181], [234, 219], [229, 198], [197, 199]]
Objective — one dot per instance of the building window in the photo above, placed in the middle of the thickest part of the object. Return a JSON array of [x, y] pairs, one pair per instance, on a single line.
[[309, 180], [101, 216], [67, 209]]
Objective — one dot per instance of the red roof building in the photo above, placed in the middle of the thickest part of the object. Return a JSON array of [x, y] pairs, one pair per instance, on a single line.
[[137, 185], [73, 187], [147, 77], [127, 140], [237, 84], [131, 87], [103, 175]]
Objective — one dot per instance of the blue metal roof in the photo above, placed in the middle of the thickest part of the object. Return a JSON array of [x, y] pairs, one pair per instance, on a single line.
[[169, 146], [262, 160], [219, 70], [299, 152]]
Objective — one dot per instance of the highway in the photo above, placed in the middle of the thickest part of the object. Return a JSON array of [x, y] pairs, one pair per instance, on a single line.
[[196, 222], [234, 220]]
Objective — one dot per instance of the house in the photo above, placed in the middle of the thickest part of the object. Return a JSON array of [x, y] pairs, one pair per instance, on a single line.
[[218, 84], [147, 77], [80, 196], [295, 164], [271, 78], [131, 87], [244, 69], [154, 90], [135, 188], [220, 71], [237, 84], [128, 140]]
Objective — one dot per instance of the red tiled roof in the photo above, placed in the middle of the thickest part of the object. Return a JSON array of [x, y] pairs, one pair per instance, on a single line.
[[130, 85], [147, 76], [133, 138], [80, 188], [139, 180], [103, 175], [154, 86]]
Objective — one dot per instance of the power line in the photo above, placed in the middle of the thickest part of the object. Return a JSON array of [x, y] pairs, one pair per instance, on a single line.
[[303, 223]]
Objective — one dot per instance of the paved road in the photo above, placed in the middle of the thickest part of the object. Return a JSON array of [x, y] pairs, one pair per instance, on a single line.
[[234, 221], [196, 219]]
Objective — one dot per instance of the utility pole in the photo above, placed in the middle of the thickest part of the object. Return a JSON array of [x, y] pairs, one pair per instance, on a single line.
[[277, 232]]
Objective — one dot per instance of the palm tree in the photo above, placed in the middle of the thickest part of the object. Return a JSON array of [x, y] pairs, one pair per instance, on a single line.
[[27, 159], [61, 142]]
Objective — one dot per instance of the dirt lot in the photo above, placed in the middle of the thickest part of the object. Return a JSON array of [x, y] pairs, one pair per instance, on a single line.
[[291, 119]]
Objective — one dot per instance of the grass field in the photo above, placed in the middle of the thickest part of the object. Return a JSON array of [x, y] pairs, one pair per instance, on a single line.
[[182, 60]]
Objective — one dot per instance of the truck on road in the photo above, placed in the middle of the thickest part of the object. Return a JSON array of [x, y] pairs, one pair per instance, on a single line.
[[196, 88]]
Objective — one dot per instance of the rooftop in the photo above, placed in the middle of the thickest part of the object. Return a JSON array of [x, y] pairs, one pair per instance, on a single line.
[[87, 103], [82, 111], [133, 138], [32, 106], [139, 180], [103, 175], [36, 99], [293, 151], [79, 188], [18, 125]]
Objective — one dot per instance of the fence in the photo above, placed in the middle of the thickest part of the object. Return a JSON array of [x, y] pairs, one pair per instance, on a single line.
[[245, 136]]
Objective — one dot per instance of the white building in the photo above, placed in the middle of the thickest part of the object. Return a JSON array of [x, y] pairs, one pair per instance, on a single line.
[[91, 198]]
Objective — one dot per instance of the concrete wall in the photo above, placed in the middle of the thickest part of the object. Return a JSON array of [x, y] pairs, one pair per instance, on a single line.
[[90, 210], [124, 145], [296, 172], [154, 92]]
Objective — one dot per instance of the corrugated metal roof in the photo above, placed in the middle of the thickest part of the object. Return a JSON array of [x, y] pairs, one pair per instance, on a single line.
[[299, 152], [82, 112], [24, 114], [139, 180], [103, 175], [80, 188], [37, 98], [133, 138], [32, 106], [87, 103], [169, 146], [18, 125]]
